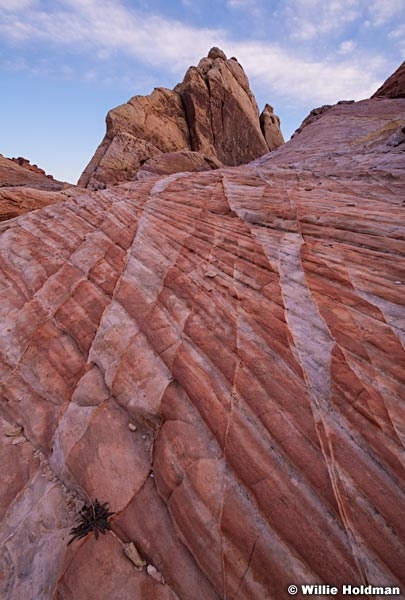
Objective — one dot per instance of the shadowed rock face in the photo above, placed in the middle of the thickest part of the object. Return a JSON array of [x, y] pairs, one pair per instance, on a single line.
[[213, 112], [219, 356]]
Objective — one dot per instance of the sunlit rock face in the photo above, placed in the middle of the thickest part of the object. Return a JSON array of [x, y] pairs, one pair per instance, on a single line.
[[220, 357], [212, 112]]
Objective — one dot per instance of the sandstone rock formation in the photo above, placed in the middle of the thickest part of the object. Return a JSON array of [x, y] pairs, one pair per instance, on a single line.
[[220, 357], [213, 112], [25, 187], [24, 162], [270, 126], [394, 87], [19, 172]]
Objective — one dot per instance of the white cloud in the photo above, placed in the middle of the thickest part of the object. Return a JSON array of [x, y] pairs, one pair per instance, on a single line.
[[309, 19], [239, 3], [12, 5], [347, 46], [299, 80], [398, 32], [101, 28], [106, 24]]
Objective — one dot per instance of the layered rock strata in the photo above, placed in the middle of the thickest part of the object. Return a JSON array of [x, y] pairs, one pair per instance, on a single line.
[[220, 357], [212, 112]]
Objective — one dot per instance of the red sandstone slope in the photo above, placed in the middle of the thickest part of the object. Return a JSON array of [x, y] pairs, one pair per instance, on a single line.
[[249, 323], [25, 187]]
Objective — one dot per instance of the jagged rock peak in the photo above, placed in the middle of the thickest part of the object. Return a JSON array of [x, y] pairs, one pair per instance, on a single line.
[[212, 112], [216, 53]]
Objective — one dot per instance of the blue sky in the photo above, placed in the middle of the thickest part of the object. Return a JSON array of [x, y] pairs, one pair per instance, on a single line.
[[65, 63]]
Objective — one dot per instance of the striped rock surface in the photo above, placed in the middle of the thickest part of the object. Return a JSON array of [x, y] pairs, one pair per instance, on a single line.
[[220, 357]]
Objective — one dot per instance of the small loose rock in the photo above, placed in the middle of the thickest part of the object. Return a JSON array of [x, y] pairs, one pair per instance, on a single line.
[[13, 431], [132, 553], [154, 573], [19, 440]]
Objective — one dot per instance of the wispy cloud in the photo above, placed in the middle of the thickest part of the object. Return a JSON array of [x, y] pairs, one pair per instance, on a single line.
[[299, 80], [346, 47], [103, 24], [101, 28], [382, 11], [12, 5], [309, 19]]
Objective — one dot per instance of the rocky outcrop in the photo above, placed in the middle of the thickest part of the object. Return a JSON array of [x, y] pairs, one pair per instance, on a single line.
[[394, 87], [20, 172], [270, 126], [25, 187], [212, 112], [24, 162], [220, 357]]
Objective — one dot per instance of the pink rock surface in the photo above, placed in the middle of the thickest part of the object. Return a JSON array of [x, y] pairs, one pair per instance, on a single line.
[[248, 323]]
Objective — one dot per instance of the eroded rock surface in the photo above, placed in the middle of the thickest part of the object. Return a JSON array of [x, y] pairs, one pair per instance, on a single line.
[[220, 356], [168, 163], [212, 112]]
